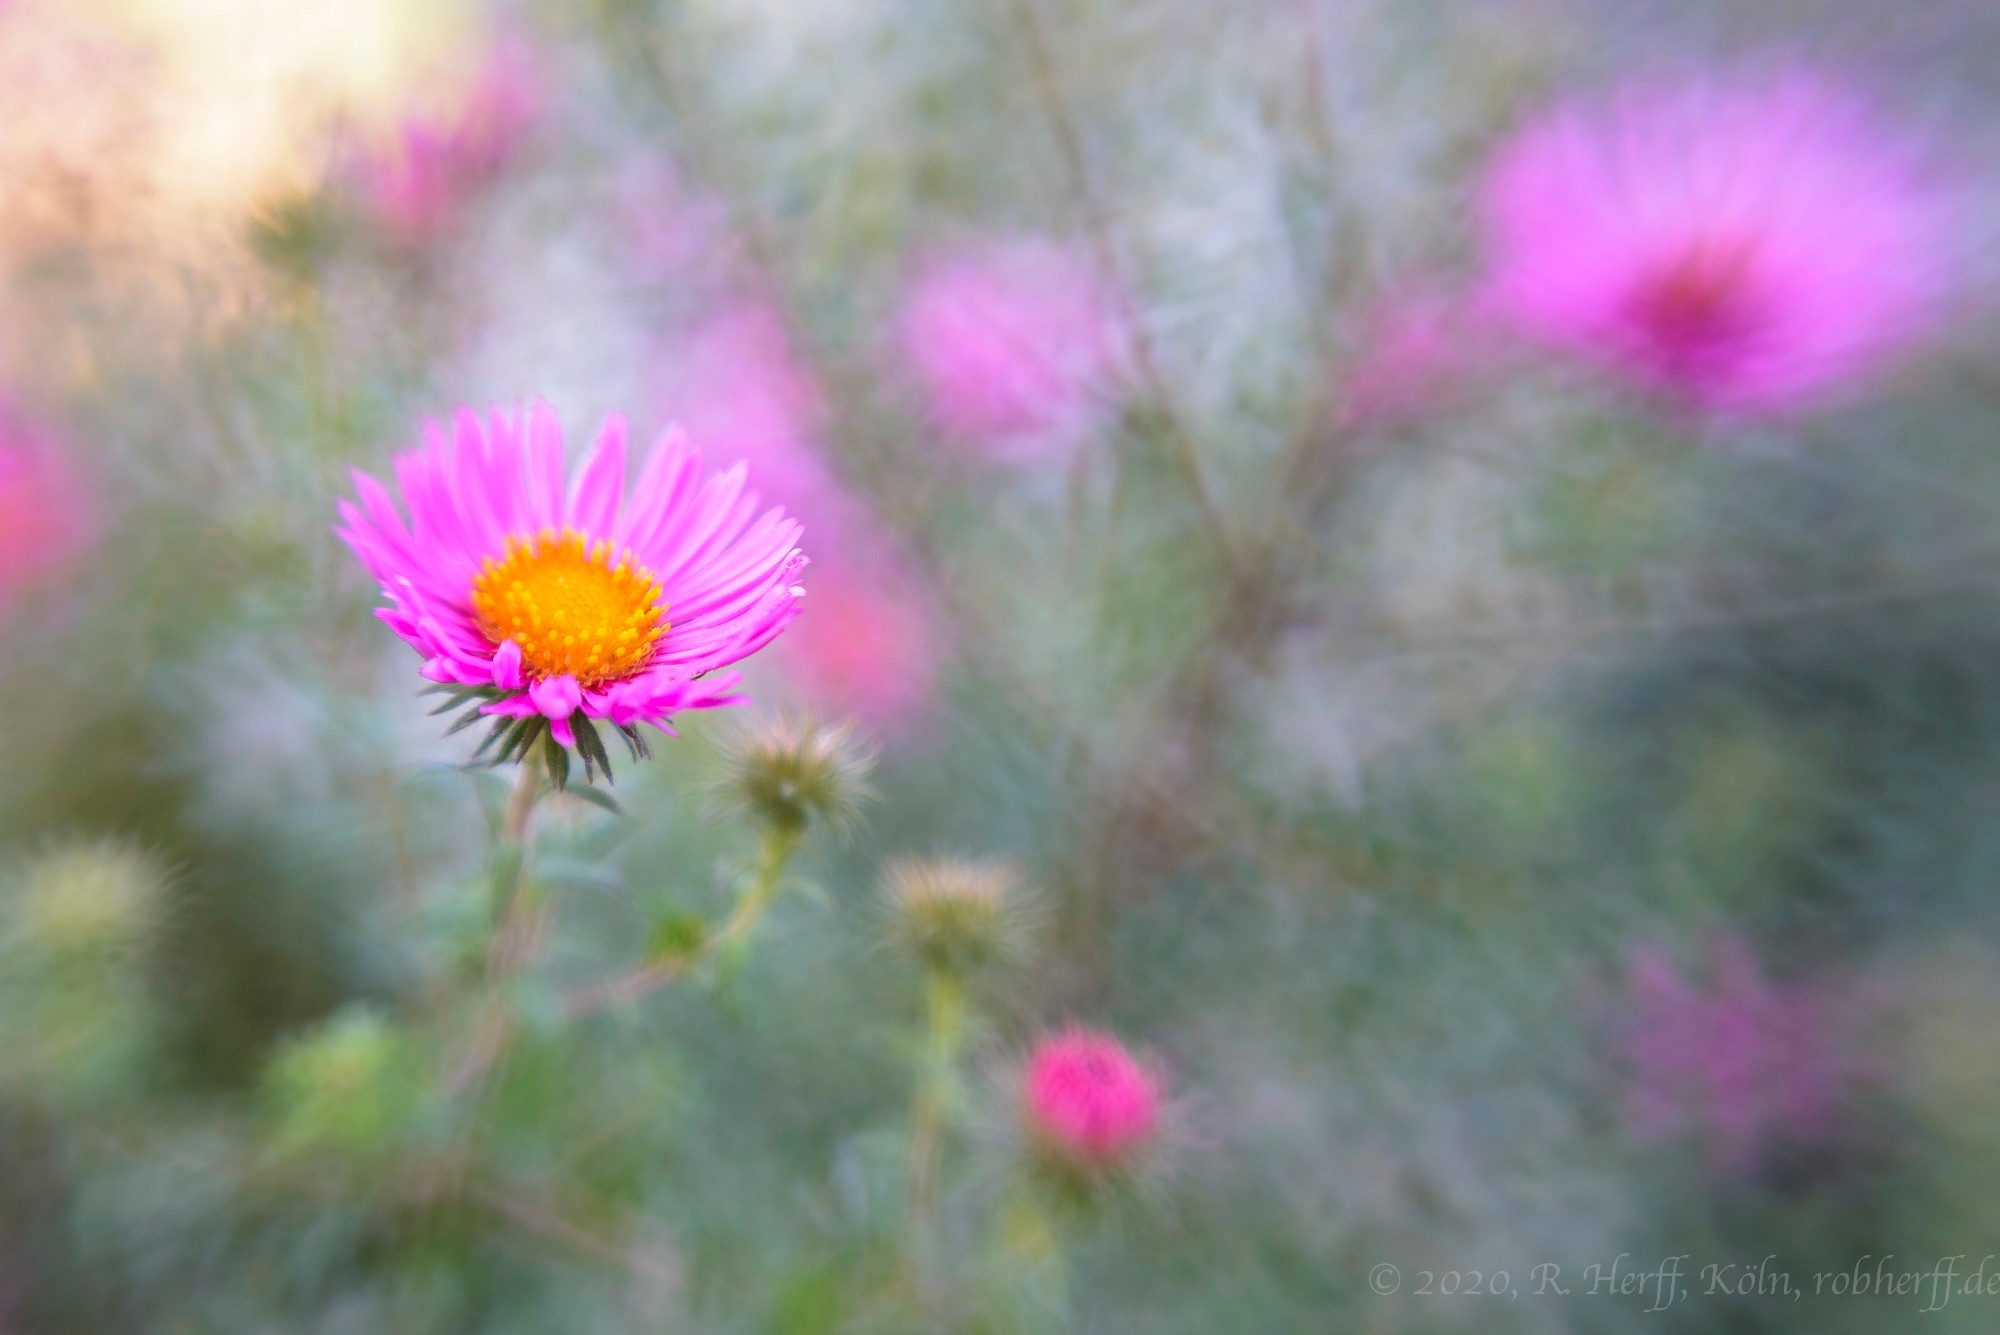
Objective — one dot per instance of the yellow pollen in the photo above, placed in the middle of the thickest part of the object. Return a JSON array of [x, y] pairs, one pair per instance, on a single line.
[[572, 611]]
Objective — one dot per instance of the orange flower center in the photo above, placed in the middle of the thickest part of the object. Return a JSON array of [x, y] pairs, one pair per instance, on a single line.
[[571, 610]]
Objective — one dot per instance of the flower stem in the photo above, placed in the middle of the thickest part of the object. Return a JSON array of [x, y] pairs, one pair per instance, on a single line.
[[732, 940], [529, 786], [944, 1008], [728, 943], [516, 933]]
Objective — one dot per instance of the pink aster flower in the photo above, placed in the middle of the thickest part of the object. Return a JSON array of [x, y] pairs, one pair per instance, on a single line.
[[45, 512], [551, 602], [1746, 245], [1088, 1100], [418, 186], [1014, 343]]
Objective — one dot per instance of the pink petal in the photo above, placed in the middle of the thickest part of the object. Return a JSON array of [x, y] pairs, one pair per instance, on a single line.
[[507, 666], [593, 508], [556, 697]]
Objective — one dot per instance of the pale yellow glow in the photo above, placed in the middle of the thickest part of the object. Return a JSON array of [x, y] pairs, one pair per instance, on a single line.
[[148, 134]]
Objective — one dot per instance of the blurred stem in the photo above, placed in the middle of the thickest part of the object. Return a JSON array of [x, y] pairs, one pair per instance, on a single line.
[[944, 1006], [1027, 1236], [732, 941], [517, 932], [547, 1219], [529, 786], [729, 942], [1069, 143]]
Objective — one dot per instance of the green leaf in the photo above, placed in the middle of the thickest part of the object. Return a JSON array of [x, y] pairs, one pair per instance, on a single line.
[[490, 790], [812, 1302], [597, 797], [676, 933]]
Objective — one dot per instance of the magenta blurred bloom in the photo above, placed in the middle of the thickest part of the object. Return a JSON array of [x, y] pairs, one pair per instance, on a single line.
[[865, 647], [1748, 246], [1741, 1065], [1418, 350], [668, 232], [45, 509], [418, 185], [736, 386], [1090, 1103], [588, 602], [1014, 343]]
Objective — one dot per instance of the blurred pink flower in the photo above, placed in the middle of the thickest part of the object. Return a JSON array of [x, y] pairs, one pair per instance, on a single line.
[[1013, 342], [1742, 1065], [1088, 1100], [1417, 350], [419, 185], [557, 600], [737, 388], [45, 510], [868, 644], [666, 230], [1747, 245]]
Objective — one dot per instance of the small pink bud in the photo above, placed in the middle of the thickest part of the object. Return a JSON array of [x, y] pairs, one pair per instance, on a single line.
[[1088, 1100]]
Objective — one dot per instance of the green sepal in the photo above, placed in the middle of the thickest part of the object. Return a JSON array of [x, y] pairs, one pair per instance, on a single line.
[[502, 725], [462, 695], [557, 759], [635, 741], [521, 739], [464, 721], [590, 746]]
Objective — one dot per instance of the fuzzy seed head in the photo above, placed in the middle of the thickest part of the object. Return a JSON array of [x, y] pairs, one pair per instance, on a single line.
[[954, 914], [91, 898], [792, 770], [351, 1087]]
